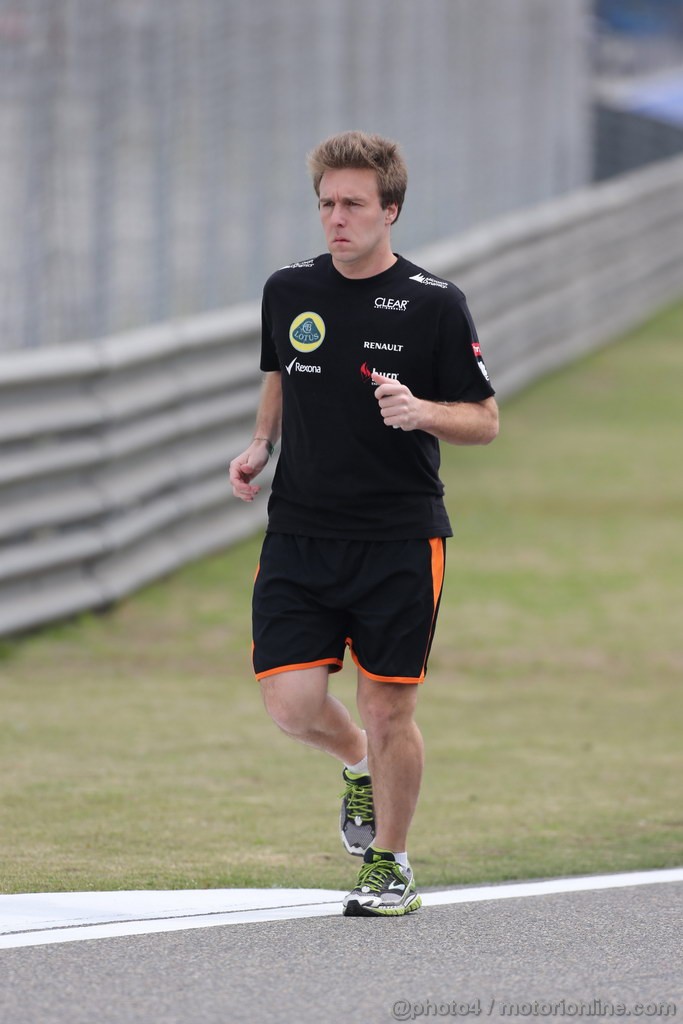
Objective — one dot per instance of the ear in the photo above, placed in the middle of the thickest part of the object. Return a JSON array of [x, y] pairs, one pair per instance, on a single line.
[[390, 213]]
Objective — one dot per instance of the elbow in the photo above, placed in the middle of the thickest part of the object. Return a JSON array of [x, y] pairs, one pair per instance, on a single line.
[[493, 432], [491, 427]]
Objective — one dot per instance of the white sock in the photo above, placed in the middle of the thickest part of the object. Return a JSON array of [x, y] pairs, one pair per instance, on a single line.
[[359, 769], [402, 859]]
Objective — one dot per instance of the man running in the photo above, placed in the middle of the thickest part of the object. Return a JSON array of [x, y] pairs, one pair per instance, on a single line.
[[369, 361]]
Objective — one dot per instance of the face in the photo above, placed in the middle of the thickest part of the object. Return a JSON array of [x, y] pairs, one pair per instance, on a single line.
[[357, 228]]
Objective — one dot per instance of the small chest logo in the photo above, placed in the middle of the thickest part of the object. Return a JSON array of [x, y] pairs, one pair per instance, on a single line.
[[433, 281], [393, 305], [307, 332], [366, 372]]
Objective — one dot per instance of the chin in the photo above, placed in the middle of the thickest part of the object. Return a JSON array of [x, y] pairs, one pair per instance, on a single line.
[[343, 254]]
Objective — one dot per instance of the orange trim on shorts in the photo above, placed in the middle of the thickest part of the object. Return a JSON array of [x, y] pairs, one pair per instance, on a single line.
[[437, 545], [381, 679], [386, 679], [336, 662], [438, 571], [438, 568]]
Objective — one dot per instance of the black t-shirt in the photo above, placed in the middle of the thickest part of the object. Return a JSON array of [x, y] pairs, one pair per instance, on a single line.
[[342, 472]]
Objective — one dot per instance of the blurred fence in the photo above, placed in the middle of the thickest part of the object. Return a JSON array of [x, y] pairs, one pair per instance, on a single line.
[[626, 141], [634, 37], [152, 151], [637, 121], [113, 458]]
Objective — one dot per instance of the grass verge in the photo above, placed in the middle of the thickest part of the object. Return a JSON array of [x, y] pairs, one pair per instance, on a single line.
[[135, 752]]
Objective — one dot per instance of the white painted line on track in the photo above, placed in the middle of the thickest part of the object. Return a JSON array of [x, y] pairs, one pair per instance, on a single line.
[[43, 918], [516, 890], [38, 919]]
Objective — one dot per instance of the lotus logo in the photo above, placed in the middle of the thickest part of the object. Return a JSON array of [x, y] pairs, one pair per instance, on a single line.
[[307, 332]]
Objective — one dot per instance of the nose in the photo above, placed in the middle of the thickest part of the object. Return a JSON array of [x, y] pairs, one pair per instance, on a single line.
[[333, 213]]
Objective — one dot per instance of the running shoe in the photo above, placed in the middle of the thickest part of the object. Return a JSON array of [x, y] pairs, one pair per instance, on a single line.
[[357, 818], [385, 888]]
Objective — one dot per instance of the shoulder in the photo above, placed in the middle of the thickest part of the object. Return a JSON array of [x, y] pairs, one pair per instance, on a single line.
[[302, 271], [428, 283]]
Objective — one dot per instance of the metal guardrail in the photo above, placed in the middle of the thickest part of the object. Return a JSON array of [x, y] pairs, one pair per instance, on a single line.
[[113, 455], [113, 461]]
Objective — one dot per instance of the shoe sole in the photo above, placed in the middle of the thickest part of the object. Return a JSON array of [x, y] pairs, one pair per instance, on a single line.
[[355, 909], [355, 851]]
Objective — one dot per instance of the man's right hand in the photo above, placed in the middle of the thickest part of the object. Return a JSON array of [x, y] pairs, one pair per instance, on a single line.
[[245, 467]]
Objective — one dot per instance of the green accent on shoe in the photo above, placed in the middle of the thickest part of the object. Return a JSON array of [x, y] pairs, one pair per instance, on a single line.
[[357, 817], [359, 800], [375, 853], [401, 911], [384, 888]]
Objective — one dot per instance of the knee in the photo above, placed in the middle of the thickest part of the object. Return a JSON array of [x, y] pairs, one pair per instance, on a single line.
[[387, 713], [291, 711], [380, 726]]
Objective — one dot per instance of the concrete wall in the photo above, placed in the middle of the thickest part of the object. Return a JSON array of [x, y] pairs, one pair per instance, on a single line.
[[113, 457]]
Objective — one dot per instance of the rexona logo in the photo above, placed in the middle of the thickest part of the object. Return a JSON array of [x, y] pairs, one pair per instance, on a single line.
[[307, 332], [366, 373], [394, 305], [302, 367], [429, 280]]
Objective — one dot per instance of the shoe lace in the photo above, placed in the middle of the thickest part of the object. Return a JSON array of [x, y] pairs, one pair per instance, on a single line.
[[375, 875], [359, 802]]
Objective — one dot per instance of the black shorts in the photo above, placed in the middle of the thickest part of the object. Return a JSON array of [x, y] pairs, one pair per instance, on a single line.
[[313, 597]]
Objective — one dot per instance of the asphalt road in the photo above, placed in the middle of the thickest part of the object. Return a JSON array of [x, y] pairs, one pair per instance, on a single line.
[[581, 956]]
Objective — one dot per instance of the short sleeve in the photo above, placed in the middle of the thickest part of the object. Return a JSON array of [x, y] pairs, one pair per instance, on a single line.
[[269, 356], [461, 374]]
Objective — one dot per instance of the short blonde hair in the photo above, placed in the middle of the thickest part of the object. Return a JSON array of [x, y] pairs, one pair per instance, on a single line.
[[356, 149]]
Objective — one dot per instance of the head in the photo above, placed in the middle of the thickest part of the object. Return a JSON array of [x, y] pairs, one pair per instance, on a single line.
[[356, 150], [360, 181]]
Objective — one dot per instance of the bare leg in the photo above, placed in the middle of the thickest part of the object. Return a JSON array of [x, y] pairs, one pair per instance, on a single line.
[[395, 754], [300, 704]]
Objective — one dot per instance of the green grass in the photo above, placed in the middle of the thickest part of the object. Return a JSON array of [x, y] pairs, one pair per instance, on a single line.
[[135, 752]]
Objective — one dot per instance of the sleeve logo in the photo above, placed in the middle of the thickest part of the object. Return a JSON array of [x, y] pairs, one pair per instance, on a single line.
[[476, 348], [307, 332]]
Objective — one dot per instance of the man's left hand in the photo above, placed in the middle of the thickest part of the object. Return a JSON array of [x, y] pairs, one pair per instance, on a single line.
[[399, 407]]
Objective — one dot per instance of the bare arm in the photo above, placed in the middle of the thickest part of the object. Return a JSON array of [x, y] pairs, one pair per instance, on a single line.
[[455, 423], [251, 461]]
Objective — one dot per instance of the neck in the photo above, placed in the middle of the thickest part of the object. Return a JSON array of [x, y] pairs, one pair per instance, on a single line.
[[369, 267]]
